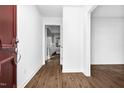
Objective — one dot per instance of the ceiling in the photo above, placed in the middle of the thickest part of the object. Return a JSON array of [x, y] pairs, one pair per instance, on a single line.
[[109, 11], [50, 10], [100, 11]]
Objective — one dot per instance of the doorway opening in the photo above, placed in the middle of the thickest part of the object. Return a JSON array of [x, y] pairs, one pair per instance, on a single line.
[[107, 41], [52, 43]]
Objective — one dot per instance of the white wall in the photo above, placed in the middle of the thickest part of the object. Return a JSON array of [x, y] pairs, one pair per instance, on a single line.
[[49, 21], [107, 40], [71, 39], [76, 39], [29, 32]]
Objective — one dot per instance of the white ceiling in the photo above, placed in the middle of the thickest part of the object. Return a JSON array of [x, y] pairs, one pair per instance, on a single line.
[[50, 10], [109, 11], [100, 11]]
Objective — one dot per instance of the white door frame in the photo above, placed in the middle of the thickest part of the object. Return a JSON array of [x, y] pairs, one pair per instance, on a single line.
[[86, 68], [90, 35]]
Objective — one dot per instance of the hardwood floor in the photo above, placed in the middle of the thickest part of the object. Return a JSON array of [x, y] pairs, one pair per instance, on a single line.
[[103, 76]]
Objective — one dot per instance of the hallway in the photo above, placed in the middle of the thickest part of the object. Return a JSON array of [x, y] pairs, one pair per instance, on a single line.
[[51, 76]]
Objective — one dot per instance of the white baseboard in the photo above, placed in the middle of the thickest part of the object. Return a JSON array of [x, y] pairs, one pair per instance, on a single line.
[[29, 78], [70, 70], [107, 64], [87, 74]]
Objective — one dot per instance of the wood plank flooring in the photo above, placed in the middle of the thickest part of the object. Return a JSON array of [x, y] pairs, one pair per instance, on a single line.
[[103, 76]]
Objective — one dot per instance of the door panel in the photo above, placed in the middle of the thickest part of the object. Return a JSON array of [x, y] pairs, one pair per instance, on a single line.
[[7, 75], [7, 45], [7, 26]]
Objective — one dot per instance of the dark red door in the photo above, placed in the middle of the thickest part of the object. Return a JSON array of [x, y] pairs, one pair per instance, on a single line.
[[7, 45]]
